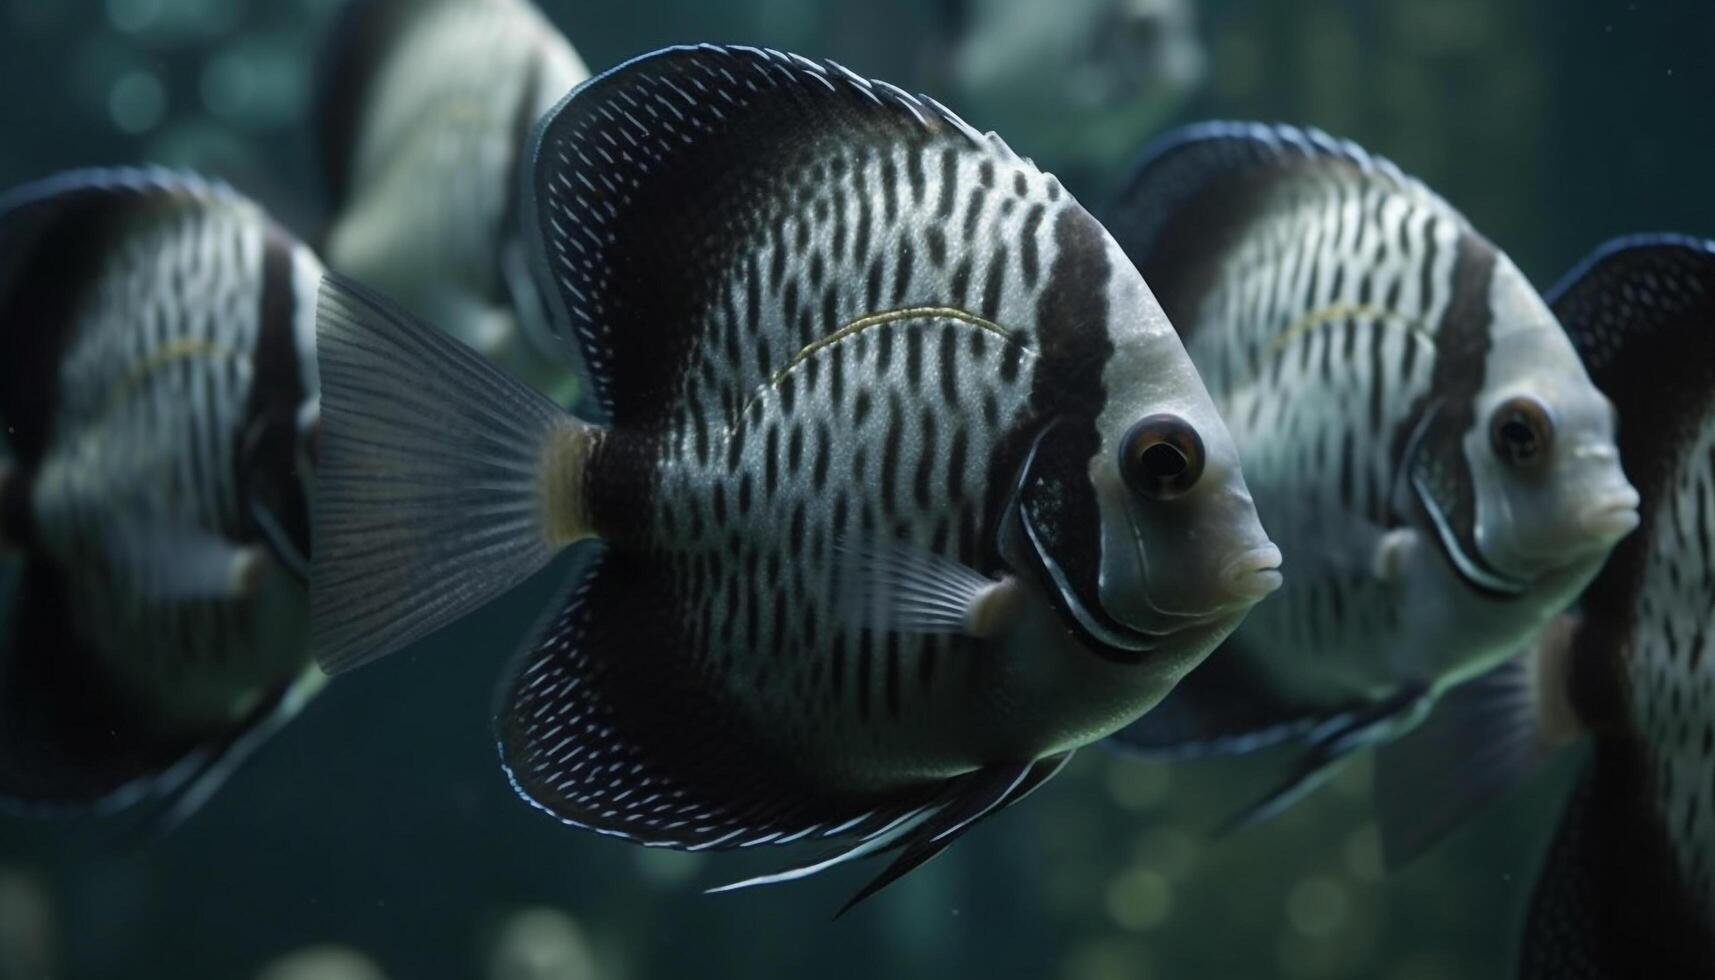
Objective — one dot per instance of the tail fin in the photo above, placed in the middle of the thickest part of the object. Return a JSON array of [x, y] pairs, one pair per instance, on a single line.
[[442, 481]]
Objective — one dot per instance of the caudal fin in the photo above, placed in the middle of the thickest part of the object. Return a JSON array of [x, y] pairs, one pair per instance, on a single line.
[[442, 481]]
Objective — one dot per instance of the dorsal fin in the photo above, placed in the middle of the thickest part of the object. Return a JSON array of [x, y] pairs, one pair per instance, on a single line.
[[53, 233], [782, 187], [1641, 312], [1635, 301], [1194, 189]]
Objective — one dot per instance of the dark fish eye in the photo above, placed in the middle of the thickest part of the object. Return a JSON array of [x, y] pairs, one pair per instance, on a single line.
[[1161, 457], [1521, 431]]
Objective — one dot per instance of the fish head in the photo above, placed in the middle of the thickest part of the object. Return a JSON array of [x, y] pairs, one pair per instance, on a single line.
[[1549, 490], [1138, 518]]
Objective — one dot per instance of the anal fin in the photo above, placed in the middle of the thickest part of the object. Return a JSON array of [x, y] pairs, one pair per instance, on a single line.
[[975, 797], [71, 744], [1610, 901], [605, 725], [1480, 739], [1331, 743], [1218, 709]]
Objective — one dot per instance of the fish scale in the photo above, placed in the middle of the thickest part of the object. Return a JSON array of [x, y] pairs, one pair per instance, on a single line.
[[863, 680]]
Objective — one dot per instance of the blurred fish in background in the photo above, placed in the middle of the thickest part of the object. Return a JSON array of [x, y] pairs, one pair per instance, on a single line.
[[325, 962], [1089, 79], [158, 390], [1423, 439], [541, 944], [423, 110], [1628, 887]]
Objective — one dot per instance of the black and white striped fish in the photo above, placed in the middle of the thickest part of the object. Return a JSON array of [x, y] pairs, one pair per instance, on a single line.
[[157, 386], [1628, 889], [423, 111], [901, 486], [1426, 446]]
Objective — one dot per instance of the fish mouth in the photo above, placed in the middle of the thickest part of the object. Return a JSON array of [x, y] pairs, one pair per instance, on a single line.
[[1611, 518], [1253, 575]]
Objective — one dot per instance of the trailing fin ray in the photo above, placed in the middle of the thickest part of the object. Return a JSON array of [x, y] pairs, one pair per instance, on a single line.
[[429, 486], [1331, 743]]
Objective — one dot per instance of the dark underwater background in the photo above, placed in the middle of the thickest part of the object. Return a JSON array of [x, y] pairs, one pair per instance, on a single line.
[[380, 821]]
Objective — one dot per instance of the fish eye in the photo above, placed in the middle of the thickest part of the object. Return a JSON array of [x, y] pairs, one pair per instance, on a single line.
[[1521, 431], [1162, 457]]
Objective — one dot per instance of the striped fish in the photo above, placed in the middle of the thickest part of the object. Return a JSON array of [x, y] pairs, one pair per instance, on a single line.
[[423, 109], [1628, 889], [157, 384], [1426, 447], [896, 487]]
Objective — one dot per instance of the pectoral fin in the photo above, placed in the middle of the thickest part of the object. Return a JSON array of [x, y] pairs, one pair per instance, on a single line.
[[1481, 739], [891, 586], [180, 564]]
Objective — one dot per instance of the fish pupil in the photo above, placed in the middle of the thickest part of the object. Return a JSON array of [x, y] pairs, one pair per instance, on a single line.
[[1164, 462]]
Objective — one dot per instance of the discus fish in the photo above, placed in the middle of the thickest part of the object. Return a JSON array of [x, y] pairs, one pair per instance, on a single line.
[[158, 389], [1628, 888], [423, 110], [1425, 445], [897, 487]]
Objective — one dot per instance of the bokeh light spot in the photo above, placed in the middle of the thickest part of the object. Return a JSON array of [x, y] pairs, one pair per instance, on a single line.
[[136, 102]]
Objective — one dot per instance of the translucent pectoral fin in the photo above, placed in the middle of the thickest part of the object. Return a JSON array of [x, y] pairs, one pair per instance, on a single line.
[[1393, 553], [180, 564], [1482, 738], [891, 586]]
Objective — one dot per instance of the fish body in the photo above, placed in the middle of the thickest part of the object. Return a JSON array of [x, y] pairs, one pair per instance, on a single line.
[[1427, 449], [159, 393], [423, 112], [901, 488], [1628, 888]]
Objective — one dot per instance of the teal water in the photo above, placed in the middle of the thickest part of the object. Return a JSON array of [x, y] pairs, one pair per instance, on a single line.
[[380, 821]]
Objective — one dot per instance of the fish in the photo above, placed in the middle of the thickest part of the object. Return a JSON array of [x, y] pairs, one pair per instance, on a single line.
[[422, 113], [1627, 887], [1423, 442], [896, 487], [158, 388], [1092, 77]]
